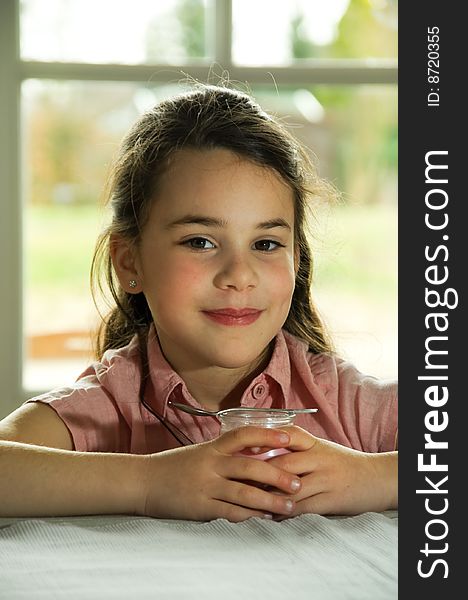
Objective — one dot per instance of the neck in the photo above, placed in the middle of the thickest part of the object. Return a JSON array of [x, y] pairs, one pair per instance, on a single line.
[[217, 388]]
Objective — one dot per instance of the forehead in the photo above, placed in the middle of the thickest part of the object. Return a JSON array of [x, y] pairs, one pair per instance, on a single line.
[[223, 185]]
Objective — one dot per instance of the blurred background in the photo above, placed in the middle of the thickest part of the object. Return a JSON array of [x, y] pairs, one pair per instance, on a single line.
[[85, 70]]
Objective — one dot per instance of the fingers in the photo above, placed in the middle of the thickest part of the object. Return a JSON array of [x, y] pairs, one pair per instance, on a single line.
[[248, 437], [321, 503], [318, 505], [238, 468], [249, 496], [313, 485], [300, 438], [235, 513], [325, 503], [296, 463]]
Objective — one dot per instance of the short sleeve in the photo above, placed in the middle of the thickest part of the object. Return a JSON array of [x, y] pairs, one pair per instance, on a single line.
[[90, 410], [368, 408]]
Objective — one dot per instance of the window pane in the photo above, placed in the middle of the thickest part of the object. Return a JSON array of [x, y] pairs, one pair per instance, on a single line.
[[275, 33], [71, 131], [137, 32], [352, 133]]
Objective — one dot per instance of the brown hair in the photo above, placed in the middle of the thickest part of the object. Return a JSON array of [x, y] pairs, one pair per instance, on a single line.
[[207, 117]]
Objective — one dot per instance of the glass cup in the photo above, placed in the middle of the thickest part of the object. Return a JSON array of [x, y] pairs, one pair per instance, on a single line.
[[234, 418]]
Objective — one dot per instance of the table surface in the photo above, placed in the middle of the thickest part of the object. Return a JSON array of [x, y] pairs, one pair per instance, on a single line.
[[305, 557]]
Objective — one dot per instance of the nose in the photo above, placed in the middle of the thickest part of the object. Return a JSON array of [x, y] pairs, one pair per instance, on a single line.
[[236, 272]]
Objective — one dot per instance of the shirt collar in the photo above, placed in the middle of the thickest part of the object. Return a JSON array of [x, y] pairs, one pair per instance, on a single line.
[[279, 367], [163, 377], [165, 380]]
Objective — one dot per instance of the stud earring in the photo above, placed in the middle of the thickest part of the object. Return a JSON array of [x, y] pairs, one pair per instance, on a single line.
[[132, 283]]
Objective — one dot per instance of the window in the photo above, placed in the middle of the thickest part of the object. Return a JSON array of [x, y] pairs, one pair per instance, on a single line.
[[328, 69], [133, 33]]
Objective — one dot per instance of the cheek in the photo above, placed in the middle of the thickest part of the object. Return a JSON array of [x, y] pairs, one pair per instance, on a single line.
[[281, 281], [175, 280]]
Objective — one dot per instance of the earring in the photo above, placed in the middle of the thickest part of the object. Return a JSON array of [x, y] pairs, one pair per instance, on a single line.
[[132, 283]]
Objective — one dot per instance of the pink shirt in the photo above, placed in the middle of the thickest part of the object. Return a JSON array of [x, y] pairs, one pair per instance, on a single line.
[[103, 412]]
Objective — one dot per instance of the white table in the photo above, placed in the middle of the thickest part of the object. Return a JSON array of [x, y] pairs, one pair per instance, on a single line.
[[303, 558]]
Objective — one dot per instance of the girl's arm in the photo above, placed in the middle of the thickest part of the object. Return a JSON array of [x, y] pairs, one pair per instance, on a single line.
[[41, 475], [200, 482], [41, 481]]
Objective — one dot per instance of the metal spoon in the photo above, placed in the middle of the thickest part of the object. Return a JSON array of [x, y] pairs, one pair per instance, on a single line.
[[202, 412]]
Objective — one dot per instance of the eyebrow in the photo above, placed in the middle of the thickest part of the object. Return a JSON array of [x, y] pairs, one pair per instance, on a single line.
[[212, 222]]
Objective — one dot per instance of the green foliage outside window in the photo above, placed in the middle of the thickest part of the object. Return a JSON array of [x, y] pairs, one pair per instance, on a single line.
[[69, 141]]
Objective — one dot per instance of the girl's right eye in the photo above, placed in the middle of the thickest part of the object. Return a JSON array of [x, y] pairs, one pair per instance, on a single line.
[[198, 243]]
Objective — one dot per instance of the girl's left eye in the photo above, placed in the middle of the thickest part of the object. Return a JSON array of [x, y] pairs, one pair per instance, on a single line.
[[267, 245]]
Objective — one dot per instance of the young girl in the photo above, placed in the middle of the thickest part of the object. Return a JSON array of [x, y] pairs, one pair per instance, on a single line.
[[208, 262]]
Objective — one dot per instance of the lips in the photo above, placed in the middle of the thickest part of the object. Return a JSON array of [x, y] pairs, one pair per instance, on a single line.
[[233, 316]]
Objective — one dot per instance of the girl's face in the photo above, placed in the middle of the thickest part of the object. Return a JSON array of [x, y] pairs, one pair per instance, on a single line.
[[216, 260]]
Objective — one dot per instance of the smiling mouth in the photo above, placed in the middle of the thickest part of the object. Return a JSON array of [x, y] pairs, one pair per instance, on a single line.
[[233, 316]]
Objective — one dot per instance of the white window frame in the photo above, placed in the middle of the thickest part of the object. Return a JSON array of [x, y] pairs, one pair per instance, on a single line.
[[13, 71]]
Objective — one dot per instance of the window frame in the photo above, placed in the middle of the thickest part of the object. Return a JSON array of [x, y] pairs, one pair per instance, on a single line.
[[14, 70]]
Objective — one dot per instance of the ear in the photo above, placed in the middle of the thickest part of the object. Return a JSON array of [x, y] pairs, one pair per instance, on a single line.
[[123, 255]]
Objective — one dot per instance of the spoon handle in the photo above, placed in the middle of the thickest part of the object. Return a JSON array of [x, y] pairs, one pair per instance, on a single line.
[[202, 412], [194, 411]]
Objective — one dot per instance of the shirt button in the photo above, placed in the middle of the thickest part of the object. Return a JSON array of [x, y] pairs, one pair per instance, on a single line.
[[259, 392]]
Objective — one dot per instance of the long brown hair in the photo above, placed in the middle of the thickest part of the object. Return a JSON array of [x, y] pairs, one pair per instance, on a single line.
[[205, 118]]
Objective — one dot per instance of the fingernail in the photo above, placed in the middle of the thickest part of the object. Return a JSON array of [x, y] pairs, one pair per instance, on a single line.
[[288, 505], [295, 484], [268, 516], [284, 438]]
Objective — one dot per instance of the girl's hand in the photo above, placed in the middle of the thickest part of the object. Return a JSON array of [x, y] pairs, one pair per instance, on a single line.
[[204, 481], [339, 480]]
